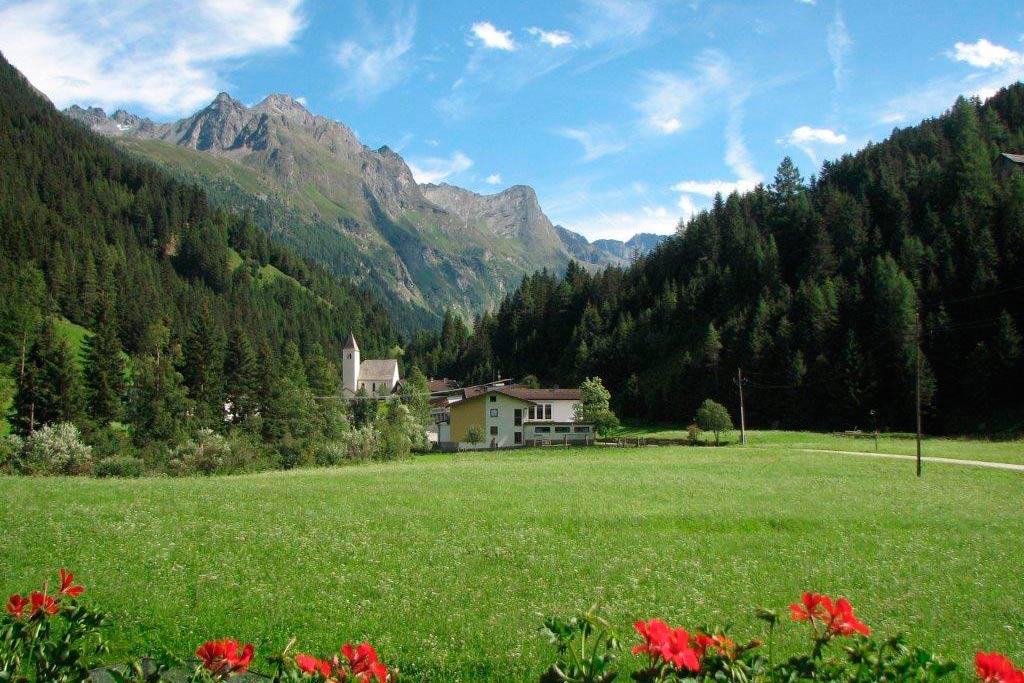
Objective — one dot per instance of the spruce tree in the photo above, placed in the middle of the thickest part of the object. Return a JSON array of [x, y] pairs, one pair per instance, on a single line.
[[50, 389], [104, 366], [242, 375], [159, 404]]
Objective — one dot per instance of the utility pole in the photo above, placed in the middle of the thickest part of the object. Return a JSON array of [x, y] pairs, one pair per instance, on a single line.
[[743, 418], [917, 391]]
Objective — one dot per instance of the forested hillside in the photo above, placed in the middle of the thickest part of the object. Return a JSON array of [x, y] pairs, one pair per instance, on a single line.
[[812, 288], [187, 308]]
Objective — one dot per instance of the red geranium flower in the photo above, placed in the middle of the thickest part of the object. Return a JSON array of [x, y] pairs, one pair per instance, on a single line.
[[221, 657], [42, 601], [16, 606], [837, 617], [67, 586], [720, 643], [993, 667], [670, 645], [311, 665], [363, 662]]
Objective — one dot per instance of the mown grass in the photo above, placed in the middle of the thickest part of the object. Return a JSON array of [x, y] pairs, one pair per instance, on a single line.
[[964, 448], [445, 562]]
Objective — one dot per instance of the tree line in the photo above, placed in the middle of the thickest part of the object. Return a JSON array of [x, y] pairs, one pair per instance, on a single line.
[[814, 288]]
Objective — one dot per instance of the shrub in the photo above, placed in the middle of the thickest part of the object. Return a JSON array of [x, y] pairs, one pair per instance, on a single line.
[[205, 454], [120, 466], [713, 417], [474, 434], [593, 407], [56, 449], [10, 453], [693, 432]]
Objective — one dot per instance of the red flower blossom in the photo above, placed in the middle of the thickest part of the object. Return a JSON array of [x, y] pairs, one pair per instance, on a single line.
[[67, 586], [670, 645], [311, 665], [221, 657], [837, 617], [993, 667], [363, 662], [16, 606], [720, 643], [42, 601]]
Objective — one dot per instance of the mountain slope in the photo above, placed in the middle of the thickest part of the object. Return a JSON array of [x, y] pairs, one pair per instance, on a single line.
[[97, 224], [308, 181]]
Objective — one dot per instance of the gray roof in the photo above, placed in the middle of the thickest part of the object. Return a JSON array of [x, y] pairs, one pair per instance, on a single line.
[[351, 343], [378, 370], [1015, 158]]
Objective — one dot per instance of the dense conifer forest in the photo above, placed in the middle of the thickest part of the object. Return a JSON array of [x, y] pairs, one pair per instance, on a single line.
[[813, 288], [179, 309]]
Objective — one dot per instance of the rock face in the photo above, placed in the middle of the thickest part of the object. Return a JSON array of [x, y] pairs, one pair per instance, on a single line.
[[639, 244], [359, 211]]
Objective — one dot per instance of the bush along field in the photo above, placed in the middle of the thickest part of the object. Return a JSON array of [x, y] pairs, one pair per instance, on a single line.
[[51, 636]]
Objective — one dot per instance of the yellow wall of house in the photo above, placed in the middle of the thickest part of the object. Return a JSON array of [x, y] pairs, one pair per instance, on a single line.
[[465, 414]]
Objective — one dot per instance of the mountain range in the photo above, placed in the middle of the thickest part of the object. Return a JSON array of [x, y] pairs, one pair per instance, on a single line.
[[311, 183]]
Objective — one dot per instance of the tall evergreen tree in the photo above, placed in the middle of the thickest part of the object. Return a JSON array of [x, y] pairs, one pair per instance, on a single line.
[[50, 389], [104, 365]]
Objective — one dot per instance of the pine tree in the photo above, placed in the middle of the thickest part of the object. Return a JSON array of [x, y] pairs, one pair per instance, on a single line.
[[321, 372], [50, 389], [104, 366], [22, 307], [159, 404], [242, 372], [204, 367]]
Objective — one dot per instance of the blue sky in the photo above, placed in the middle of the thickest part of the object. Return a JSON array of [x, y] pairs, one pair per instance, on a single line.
[[624, 115]]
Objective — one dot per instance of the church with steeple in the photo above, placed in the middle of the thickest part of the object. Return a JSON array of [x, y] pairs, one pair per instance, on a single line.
[[377, 377]]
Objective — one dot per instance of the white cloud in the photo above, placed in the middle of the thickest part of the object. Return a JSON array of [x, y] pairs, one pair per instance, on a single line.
[[621, 225], [379, 60], [808, 2], [436, 169], [737, 158], [302, 100], [551, 38], [493, 179], [994, 67], [141, 54], [839, 45], [892, 117], [597, 141], [672, 103], [985, 55], [615, 20], [493, 38], [807, 139]]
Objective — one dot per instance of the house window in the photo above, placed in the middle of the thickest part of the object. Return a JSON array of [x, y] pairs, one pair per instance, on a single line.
[[373, 387], [494, 412], [517, 420], [519, 437], [581, 430], [350, 356], [561, 430], [493, 398], [542, 430], [532, 414], [494, 430], [547, 411]]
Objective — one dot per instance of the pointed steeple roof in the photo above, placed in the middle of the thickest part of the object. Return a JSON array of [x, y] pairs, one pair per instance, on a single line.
[[351, 344]]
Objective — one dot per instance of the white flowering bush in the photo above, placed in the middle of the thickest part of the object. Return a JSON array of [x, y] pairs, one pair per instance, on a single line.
[[56, 449], [205, 454]]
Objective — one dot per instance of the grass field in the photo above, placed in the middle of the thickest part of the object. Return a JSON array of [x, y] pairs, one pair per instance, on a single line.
[[900, 444], [446, 561]]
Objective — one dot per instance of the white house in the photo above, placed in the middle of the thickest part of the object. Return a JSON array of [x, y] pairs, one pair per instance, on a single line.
[[377, 377], [509, 416]]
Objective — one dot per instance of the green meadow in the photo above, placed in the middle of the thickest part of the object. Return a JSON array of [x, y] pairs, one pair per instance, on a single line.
[[446, 562]]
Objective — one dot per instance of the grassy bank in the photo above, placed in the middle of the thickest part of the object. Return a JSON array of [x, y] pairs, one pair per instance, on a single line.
[[446, 561], [899, 443]]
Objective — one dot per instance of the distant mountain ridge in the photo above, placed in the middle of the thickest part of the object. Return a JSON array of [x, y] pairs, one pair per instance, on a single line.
[[310, 182]]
